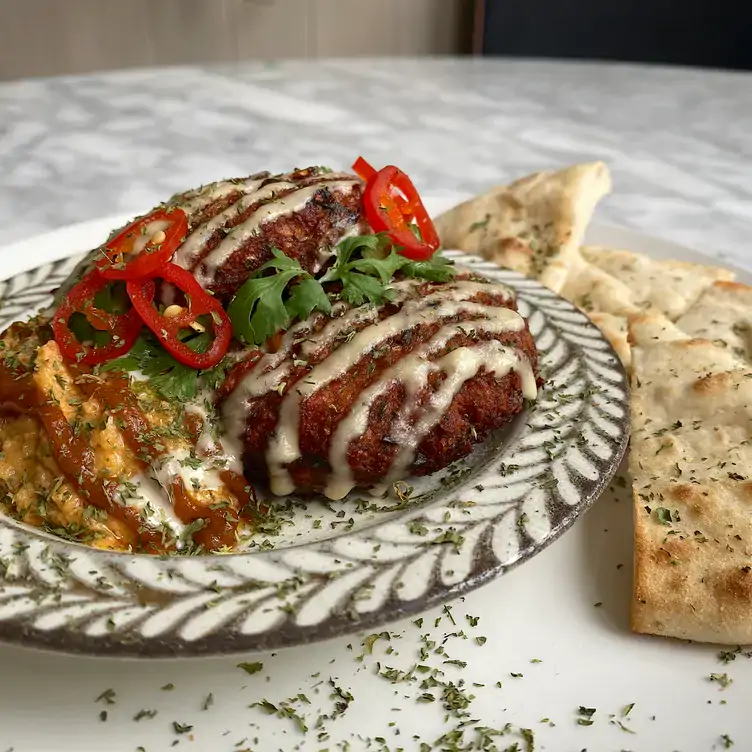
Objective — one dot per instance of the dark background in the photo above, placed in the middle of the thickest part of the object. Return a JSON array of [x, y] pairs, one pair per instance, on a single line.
[[712, 33]]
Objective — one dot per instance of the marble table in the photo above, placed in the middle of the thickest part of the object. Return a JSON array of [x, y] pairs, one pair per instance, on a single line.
[[679, 143]]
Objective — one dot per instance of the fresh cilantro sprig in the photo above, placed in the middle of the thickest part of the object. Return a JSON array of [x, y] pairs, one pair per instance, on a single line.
[[259, 310], [171, 379], [363, 267]]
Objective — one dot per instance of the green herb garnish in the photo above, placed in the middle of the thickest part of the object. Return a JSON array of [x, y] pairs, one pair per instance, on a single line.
[[258, 309], [173, 380], [363, 267]]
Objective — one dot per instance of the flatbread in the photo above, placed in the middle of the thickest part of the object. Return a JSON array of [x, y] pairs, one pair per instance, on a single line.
[[723, 314], [614, 329], [654, 328], [595, 291], [670, 287], [534, 226], [690, 460]]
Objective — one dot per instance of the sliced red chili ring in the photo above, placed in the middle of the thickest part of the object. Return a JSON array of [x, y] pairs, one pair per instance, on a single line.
[[385, 214], [363, 169], [365, 172], [142, 248], [168, 324], [123, 328]]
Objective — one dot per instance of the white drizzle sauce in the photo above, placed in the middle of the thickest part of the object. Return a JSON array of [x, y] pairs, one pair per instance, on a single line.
[[292, 203], [222, 450], [190, 251], [284, 445], [413, 372], [146, 495], [150, 494], [459, 366], [146, 235], [196, 201]]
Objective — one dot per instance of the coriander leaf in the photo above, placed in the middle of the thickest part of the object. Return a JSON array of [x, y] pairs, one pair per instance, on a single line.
[[305, 297], [280, 262], [436, 269], [214, 377], [663, 515], [258, 311], [358, 289], [384, 268], [371, 245], [171, 379]]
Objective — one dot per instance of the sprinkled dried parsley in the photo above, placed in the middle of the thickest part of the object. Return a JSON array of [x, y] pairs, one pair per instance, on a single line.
[[726, 656], [108, 696], [251, 668], [144, 714], [722, 679], [586, 716]]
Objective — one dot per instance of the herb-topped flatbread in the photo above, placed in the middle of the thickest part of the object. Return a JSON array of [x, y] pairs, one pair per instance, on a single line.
[[690, 461], [723, 315], [670, 287], [534, 226], [685, 331]]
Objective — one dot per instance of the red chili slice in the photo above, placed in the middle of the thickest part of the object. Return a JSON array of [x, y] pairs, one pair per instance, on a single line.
[[123, 328], [391, 202], [363, 169], [365, 172], [167, 327], [131, 254]]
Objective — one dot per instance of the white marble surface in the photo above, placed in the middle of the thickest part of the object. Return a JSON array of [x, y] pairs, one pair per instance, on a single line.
[[680, 147], [679, 142]]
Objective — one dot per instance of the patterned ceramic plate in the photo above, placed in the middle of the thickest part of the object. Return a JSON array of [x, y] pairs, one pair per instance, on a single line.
[[342, 566]]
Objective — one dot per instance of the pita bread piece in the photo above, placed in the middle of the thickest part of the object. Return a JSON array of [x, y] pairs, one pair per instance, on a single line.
[[534, 226], [691, 464], [671, 287]]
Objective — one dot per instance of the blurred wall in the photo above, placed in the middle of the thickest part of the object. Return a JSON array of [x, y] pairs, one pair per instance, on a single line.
[[690, 32], [50, 37]]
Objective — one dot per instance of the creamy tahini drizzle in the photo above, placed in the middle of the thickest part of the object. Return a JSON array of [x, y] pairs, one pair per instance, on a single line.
[[302, 191], [292, 203], [412, 370], [190, 251], [196, 201], [149, 493], [145, 494]]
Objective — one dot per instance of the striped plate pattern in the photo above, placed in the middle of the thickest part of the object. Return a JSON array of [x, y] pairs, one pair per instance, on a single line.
[[473, 521]]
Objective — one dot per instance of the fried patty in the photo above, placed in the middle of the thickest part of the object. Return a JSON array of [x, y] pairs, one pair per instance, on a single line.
[[484, 403], [304, 234]]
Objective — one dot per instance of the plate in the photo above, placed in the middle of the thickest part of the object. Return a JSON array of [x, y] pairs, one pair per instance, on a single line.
[[335, 569]]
